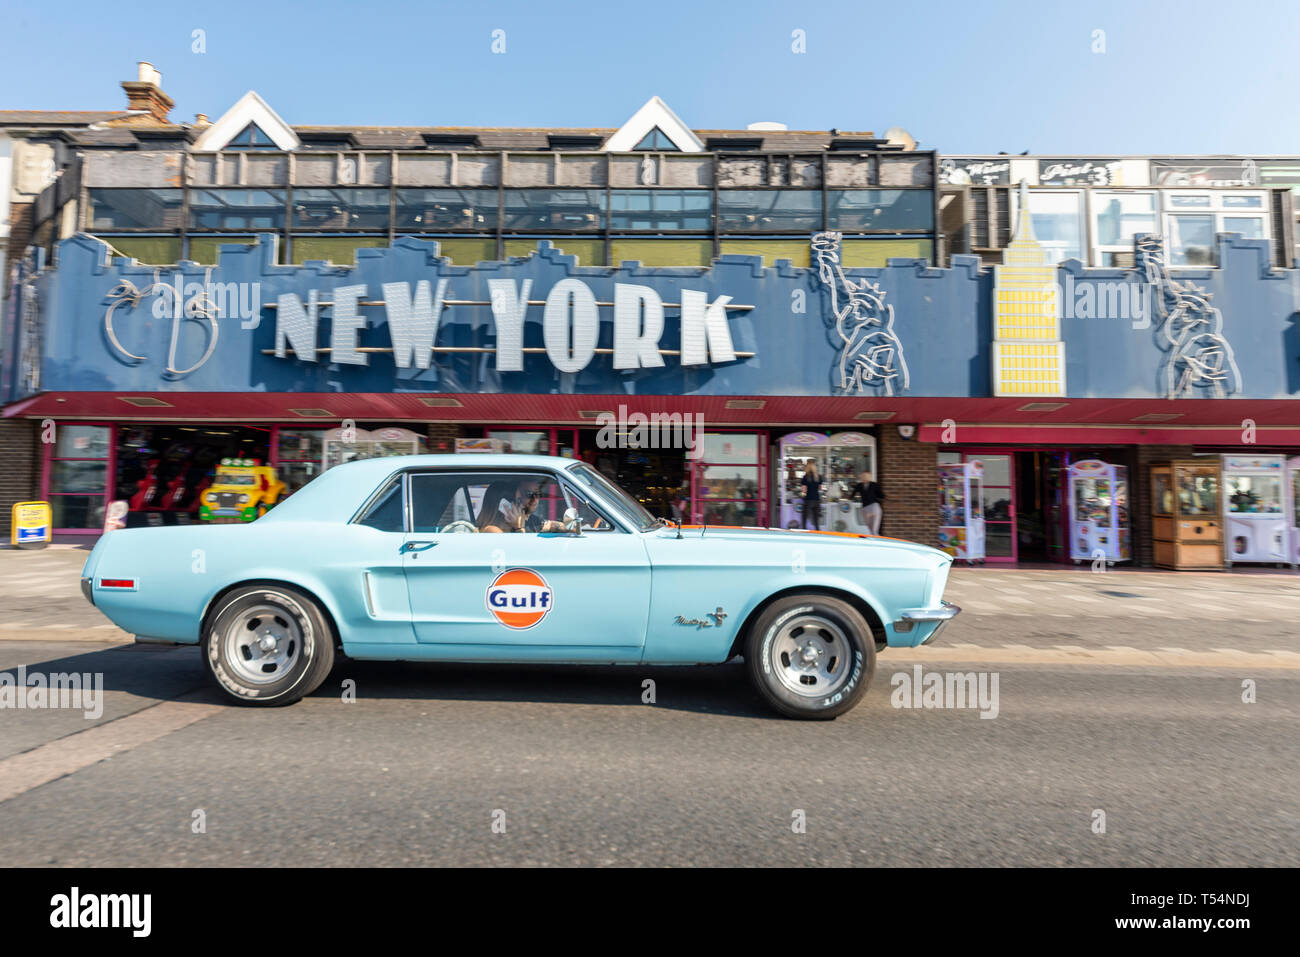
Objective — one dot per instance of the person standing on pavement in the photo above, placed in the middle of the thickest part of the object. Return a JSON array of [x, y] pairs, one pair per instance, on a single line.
[[869, 494], [812, 495]]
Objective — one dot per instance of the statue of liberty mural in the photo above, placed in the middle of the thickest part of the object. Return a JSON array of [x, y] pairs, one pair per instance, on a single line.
[[1198, 356], [871, 354]]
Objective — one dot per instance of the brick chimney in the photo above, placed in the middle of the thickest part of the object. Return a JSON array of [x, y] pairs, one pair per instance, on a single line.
[[145, 94]]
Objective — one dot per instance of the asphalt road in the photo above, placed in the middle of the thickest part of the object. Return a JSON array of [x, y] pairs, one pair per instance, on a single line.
[[579, 770]]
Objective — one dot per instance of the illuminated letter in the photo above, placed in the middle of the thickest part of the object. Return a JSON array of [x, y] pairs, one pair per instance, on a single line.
[[637, 347], [570, 305], [705, 336]]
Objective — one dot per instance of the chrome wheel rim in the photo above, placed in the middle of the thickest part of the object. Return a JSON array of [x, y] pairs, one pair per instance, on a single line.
[[263, 643], [810, 656]]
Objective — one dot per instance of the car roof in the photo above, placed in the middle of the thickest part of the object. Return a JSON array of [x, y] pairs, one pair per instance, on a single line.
[[337, 493]]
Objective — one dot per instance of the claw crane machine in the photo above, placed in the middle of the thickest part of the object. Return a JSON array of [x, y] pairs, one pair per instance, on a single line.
[[1186, 520], [1255, 522], [961, 516], [1099, 517], [840, 458]]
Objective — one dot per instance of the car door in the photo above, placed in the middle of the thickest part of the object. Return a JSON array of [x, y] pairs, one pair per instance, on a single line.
[[525, 595], [362, 564]]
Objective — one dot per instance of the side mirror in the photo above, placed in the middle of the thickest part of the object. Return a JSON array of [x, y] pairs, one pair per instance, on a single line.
[[572, 523]]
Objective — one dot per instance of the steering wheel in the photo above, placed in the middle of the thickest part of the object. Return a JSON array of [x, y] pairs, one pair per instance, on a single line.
[[460, 526]]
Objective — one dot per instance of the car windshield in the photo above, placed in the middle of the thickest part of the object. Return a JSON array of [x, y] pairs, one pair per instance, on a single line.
[[232, 478], [627, 506]]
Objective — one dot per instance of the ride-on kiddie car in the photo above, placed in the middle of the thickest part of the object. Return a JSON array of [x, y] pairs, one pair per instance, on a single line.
[[514, 558], [242, 491]]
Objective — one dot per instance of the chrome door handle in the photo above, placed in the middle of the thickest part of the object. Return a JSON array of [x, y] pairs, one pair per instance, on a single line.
[[416, 546]]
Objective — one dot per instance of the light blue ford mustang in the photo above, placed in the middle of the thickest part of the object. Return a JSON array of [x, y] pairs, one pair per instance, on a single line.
[[514, 558]]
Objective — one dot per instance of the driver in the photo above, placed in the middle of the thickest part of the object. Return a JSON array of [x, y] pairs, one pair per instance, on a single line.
[[519, 514]]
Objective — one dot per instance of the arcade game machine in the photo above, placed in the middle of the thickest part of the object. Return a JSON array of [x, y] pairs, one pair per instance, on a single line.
[[796, 449], [961, 523], [1254, 509], [841, 458], [1293, 469], [1099, 522], [1186, 524]]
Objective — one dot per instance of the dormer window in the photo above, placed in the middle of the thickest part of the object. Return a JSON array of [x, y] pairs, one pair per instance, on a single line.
[[656, 140], [252, 138]]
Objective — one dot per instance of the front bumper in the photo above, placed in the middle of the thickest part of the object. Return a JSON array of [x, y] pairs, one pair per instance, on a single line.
[[87, 589], [945, 612]]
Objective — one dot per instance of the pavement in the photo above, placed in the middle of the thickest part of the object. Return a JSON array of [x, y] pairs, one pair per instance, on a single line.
[[1163, 705]]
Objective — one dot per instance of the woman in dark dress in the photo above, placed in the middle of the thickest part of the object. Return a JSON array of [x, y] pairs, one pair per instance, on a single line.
[[812, 495]]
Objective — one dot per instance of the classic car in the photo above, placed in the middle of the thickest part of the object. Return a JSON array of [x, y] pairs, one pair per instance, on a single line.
[[514, 558]]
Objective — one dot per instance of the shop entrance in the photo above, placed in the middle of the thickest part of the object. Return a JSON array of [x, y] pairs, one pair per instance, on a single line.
[[162, 470], [1025, 500]]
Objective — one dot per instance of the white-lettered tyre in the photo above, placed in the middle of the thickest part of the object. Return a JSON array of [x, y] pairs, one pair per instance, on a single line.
[[810, 656], [268, 644]]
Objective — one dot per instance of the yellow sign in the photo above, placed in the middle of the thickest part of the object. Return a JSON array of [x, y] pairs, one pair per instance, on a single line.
[[32, 525]]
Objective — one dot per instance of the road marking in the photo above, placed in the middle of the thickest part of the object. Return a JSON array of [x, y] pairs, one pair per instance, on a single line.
[[1024, 654], [21, 773]]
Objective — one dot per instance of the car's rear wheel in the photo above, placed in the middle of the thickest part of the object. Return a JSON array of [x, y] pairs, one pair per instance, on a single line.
[[268, 645], [810, 656]]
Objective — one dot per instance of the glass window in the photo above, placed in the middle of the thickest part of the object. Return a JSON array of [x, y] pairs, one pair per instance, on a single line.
[[341, 208], [661, 209], [628, 507], [1231, 201], [495, 502], [769, 210], [298, 457], [860, 210], [729, 447], [81, 442], [1191, 240], [656, 139], [1188, 200], [565, 209], [743, 513], [79, 475], [1118, 217], [386, 512], [1057, 219], [251, 137], [445, 209], [728, 481], [524, 443], [1253, 494], [237, 208], [135, 209], [1250, 227]]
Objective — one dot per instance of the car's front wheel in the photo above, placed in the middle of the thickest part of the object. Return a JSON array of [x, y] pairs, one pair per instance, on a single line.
[[268, 645], [810, 656]]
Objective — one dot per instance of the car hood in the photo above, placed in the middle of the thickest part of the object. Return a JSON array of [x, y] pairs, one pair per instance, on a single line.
[[785, 536]]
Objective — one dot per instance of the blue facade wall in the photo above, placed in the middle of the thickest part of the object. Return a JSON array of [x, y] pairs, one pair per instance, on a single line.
[[942, 318]]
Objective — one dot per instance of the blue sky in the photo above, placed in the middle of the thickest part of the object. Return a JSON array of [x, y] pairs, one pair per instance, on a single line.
[[970, 77]]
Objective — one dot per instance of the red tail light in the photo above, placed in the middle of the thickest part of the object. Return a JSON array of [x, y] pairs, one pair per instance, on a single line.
[[117, 583]]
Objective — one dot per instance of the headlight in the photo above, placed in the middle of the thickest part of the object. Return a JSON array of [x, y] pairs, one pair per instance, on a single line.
[[243, 499], [211, 499]]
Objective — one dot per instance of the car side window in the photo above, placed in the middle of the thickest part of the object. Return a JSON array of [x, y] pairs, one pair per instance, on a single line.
[[385, 513], [530, 503], [591, 517]]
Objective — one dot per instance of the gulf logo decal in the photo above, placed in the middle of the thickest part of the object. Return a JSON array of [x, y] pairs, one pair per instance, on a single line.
[[519, 598]]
